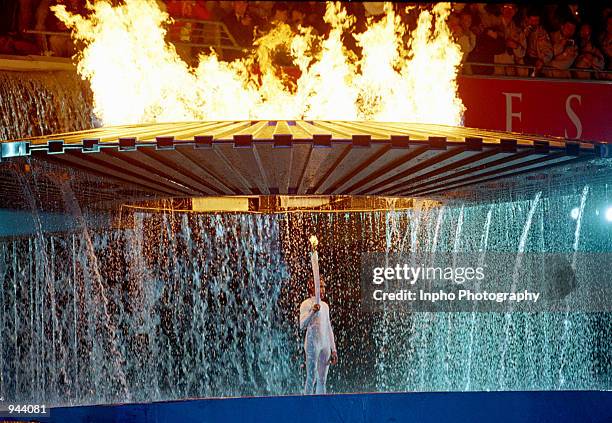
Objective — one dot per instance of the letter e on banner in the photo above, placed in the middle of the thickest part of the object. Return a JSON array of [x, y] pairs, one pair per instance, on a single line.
[[509, 113]]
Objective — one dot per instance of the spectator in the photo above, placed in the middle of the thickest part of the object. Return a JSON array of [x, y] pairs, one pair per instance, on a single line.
[[539, 47], [240, 24], [261, 11], [465, 41], [557, 14], [468, 42], [606, 45], [565, 50], [278, 13], [187, 9], [59, 44], [488, 14], [220, 9], [590, 57], [281, 12], [497, 34], [515, 42], [182, 30], [454, 24], [489, 42], [15, 19]]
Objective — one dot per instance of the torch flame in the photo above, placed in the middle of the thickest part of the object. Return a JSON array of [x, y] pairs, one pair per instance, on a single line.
[[313, 242], [137, 77]]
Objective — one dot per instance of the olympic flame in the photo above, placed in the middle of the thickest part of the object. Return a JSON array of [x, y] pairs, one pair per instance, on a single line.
[[137, 77]]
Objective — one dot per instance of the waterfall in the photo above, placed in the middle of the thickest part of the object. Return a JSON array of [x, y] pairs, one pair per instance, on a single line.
[[519, 257], [38, 103], [566, 321], [203, 305], [483, 249]]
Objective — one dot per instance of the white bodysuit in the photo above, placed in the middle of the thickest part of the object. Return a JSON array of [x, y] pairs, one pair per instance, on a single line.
[[318, 345]]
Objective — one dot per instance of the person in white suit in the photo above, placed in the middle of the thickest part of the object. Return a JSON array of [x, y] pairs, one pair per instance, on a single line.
[[319, 344]]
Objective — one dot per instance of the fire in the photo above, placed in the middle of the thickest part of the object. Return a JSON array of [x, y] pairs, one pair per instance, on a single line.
[[137, 77], [313, 241]]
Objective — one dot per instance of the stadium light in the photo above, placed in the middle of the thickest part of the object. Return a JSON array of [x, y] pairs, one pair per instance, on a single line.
[[574, 213]]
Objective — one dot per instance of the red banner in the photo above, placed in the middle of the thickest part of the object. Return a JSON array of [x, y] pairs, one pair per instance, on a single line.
[[574, 110]]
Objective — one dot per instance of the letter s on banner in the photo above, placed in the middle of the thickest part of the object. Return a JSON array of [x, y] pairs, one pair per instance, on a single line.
[[572, 115]]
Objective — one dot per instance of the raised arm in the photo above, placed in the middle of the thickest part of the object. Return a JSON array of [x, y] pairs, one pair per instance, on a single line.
[[306, 314]]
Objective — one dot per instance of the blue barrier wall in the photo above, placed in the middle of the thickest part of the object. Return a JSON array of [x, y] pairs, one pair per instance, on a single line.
[[472, 407]]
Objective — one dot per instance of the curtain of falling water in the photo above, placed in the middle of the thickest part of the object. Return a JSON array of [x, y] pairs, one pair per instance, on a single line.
[[193, 299], [37, 103], [393, 351], [206, 305], [494, 351]]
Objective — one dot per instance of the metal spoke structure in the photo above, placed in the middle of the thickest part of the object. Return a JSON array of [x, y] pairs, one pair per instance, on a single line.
[[285, 157]]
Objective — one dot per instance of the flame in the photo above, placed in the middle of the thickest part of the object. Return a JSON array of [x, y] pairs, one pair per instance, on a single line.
[[313, 241], [137, 77]]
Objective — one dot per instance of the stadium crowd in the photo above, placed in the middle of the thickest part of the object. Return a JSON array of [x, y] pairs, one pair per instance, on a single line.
[[561, 41]]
